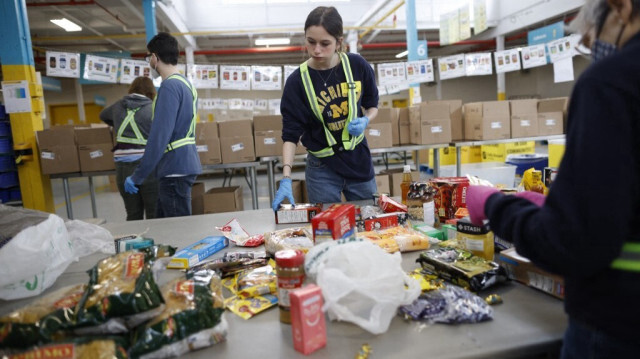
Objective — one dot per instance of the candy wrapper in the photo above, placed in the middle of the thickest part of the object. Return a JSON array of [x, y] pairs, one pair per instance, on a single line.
[[238, 236], [397, 239], [253, 291]]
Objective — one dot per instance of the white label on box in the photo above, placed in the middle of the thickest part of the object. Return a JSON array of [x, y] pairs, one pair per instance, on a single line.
[[374, 132], [293, 216], [550, 122], [525, 123], [95, 154], [48, 155], [473, 244], [495, 125], [269, 140], [436, 129], [237, 147], [193, 260], [202, 148]]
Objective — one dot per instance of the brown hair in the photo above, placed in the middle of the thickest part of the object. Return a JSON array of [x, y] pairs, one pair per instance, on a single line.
[[330, 19], [144, 86]]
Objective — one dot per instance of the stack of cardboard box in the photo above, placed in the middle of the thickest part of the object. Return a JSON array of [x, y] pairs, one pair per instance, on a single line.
[[215, 200], [208, 143], [236, 141], [487, 120], [383, 128], [524, 118]]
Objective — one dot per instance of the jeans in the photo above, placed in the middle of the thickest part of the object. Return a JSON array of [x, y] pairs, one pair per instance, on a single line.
[[325, 186], [174, 197], [143, 203], [582, 341]]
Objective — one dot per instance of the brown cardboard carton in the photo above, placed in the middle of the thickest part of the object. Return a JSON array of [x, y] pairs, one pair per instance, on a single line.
[[388, 115], [94, 149], [223, 199], [208, 143], [524, 118], [383, 183], [455, 114], [522, 270], [268, 135], [379, 135], [57, 150], [235, 128], [267, 123], [296, 190], [404, 133], [300, 150], [236, 141], [414, 125], [395, 177], [487, 120], [197, 199], [551, 116], [432, 126], [206, 131]]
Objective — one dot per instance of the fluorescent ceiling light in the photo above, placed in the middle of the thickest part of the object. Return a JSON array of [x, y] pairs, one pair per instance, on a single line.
[[66, 24], [273, 41], [402, 54]]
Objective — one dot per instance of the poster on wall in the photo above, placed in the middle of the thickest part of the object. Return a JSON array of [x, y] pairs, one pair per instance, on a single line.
[[464, 22], [288, 70], [16, 96], [261, 104], [205, 103], [507, 60], [266, 77], [274, 106], [533, 56], [130, 69], [100, 68], [478, 64], [419, 71], [479, 16], [235, 103], [63, 64], [204, 76], [235, 77], [220, 104], [450, 67], [560, 49], [391, 73]]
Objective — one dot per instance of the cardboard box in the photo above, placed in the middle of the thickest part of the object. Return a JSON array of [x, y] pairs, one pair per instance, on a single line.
[[552, 116], [300, 213], [524, 118], [94, 149], [396, 179], [267, 131], [433, 126], [197, 199], [223, 199], [58, 151], [387, 115], [455, 115], [336, 222], [197, 252], [379, 135], [521, 269], [208, 143], [383, 183], [308, 326], [404, 133], [236, 141], [296, 190], [487, 120]]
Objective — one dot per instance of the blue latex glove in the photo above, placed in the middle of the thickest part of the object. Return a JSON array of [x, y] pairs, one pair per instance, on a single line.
[[357, 126], [476, 198], [284, 191], [129, 186]]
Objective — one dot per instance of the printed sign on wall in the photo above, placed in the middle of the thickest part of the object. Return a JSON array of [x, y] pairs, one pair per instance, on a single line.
[[391, 73], [132, 69], [507, 60], [100, 68], [533, 56], [560, 49], [451, 67], [266, 77], [419, 71], [235, 77], [478, 64], [63, 64], [204, 76]]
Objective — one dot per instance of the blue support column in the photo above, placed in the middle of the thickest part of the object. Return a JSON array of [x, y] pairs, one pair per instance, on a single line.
[[14, 34], [412, 31], [149, 7]]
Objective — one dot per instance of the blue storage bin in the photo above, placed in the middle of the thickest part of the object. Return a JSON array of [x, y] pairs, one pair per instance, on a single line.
[[5, 128], [7, 163], [527, 160], [3, 113], [5, 195], [8, 179], [15, 195], [5, 145]]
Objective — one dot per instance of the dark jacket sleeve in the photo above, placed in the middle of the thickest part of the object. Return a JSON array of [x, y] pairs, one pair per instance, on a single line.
[[107, 114], [588, 213]]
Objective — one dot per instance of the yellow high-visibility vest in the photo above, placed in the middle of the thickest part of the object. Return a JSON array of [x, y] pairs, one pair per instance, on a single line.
[[130, 121], [190, 138], [348, 142], [629, 259]]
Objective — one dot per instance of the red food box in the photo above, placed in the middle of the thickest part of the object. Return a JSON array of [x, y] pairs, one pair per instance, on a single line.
[[300, 213], [336, 222], [308, 326], [389, 205], [451, 194], [382, 221]]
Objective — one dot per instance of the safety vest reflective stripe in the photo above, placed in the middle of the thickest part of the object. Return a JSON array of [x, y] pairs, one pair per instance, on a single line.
[[349, 142], [190, 138], [629, 259], [130, 121]]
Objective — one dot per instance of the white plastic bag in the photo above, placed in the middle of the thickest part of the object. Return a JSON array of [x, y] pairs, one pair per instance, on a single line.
[[33, 259], [361, 283], [87, 238]]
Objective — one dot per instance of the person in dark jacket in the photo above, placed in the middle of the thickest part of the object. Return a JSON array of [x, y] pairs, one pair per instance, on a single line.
[[171, 149], [343, 91], [130, 118], [588, 228]]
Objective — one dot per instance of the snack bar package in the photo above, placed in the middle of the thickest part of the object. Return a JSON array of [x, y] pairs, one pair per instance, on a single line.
[[121, 294], [289, 238], [192, 319], [41, 320]]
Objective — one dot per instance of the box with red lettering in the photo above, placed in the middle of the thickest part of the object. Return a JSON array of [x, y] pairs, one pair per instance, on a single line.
[[336, 222], [451, 194], [308, 326]]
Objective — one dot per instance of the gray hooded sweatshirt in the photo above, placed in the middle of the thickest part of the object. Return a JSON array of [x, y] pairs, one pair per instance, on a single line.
[[115, 114]]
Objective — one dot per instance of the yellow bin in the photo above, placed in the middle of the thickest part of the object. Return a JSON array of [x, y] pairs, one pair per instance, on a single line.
[[556, 150]]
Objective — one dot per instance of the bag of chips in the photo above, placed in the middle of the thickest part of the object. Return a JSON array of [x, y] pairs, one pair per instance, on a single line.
[[82, 347], [192, 319]]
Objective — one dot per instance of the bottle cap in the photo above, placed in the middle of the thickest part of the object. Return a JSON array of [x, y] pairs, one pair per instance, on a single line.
[[407, 168]]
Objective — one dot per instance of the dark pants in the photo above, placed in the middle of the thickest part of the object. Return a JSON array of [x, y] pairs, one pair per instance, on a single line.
[[142, 203], [582, 341], [174, 196]]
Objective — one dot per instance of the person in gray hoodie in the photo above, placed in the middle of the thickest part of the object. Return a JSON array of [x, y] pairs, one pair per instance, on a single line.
[[131, 120]]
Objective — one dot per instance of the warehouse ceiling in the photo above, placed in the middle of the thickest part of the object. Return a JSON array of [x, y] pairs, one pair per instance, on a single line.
[[224, 31]]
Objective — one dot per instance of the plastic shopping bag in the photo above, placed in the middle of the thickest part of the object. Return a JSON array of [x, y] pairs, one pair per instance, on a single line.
[[361, 283]]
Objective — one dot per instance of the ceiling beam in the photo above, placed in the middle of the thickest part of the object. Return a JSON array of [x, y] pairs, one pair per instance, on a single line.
[[170, 17]]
